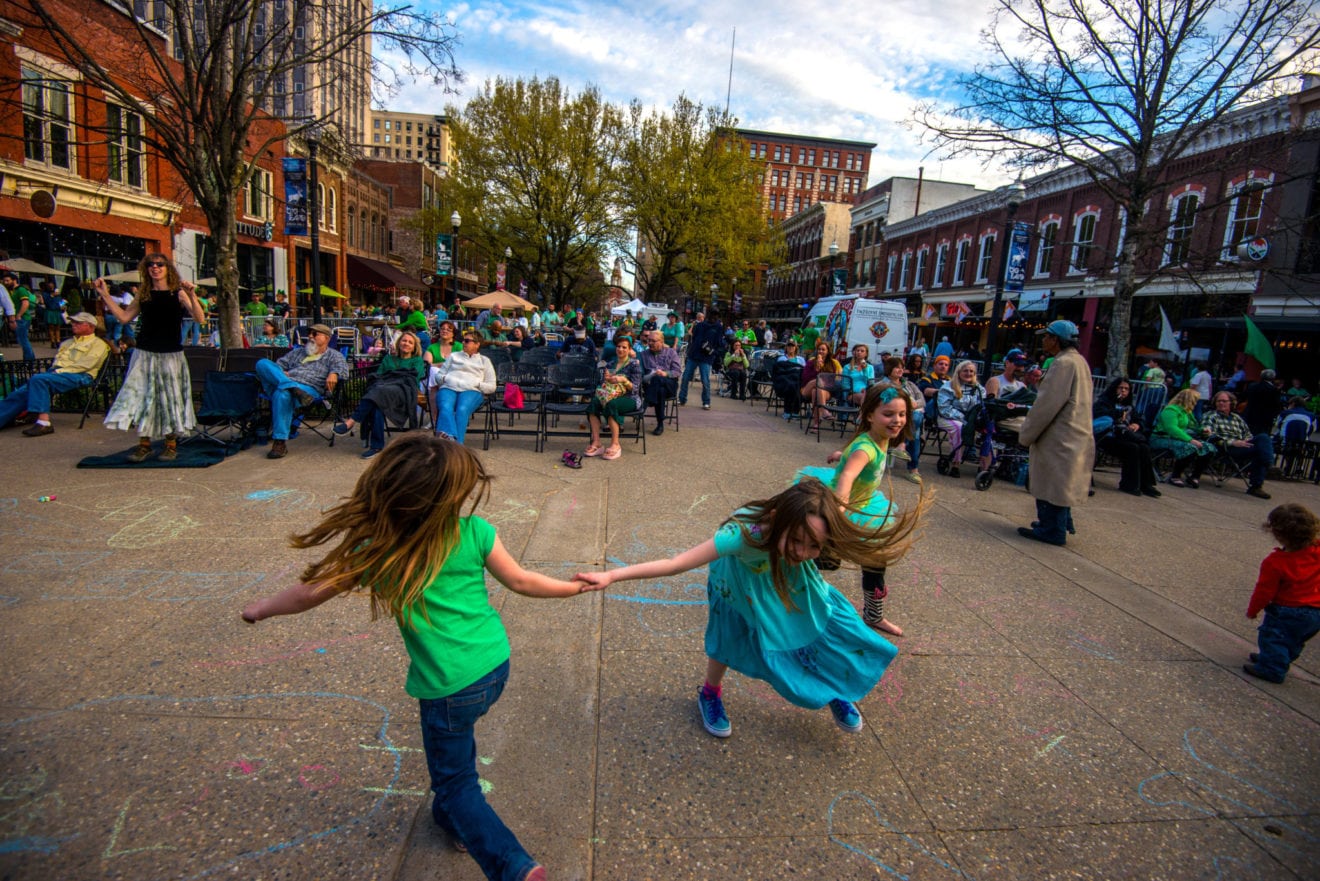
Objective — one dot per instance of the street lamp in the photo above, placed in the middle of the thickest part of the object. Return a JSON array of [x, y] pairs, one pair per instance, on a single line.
[[508, 260], [314, 212], [714, 292], [455, 221], [834, 255], [1013, 198]]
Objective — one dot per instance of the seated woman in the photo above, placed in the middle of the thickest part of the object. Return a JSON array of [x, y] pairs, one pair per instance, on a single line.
[[615, 398], [786, 378], [1178, 432], [858, 374], [444, 346], [519, 341], [736, 365], [821, 362], [391, 393], [271, 336], [916, 371], [957, 398], [461, 383], [897, 377], [1230, 432], [1124, 438]]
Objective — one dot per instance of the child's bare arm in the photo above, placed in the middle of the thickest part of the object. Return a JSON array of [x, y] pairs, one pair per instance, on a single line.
[[853, 467], [690, 559], [533, 584], [290, 601]]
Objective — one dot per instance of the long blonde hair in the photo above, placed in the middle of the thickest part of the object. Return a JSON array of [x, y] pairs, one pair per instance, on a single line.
[[399, 526], [784, 516], [955, 384]]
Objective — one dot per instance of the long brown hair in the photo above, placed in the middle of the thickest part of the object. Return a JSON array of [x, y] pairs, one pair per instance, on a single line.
[[397, 529], [172, 280], [784, 516]]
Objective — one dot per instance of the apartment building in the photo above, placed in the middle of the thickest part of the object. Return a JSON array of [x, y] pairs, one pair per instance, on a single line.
[[409, 137], [801, 170]]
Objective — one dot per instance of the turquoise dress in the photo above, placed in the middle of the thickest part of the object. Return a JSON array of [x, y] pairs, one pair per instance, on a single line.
[[865, 492], [811, 654]]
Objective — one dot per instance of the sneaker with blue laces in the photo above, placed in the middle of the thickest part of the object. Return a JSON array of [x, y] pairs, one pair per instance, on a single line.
[[846, 716], [713, 717]]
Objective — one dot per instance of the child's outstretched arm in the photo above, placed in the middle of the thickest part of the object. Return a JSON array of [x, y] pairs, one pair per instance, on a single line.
[[690, 559], [533, 584], [290, 601]]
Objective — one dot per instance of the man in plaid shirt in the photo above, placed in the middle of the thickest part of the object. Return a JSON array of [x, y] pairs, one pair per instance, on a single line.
[[1231, 433]]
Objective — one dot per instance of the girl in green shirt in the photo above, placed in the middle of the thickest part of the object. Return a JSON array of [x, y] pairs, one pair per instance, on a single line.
[[402, 536]]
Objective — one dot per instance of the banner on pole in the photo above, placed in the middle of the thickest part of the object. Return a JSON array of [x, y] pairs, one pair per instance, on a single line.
[[295, 196], [840, 286], [1019, 248], [444, 255]]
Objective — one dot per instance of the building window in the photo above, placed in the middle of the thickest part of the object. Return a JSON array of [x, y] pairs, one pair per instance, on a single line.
[[1083, 240], [941, 259], [763, 151], [352, 227], [259, 200], [1049, 237], [375, 123], [889, 272], [987, 255], [960, 263], [1182, 218], [47, 120], [331, 215], [919, 279], [777, 154], [387, 127], [1243, 216], [127, 164]]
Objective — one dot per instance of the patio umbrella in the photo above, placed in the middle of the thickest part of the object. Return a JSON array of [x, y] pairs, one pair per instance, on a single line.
[[24, 266], [126, 275], [503, 299], [325, 292]]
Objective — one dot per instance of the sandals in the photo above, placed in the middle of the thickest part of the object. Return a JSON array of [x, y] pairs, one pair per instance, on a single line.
[[593, 450], [612, 453], [1194, 483], [1176, 481], [571, 459]]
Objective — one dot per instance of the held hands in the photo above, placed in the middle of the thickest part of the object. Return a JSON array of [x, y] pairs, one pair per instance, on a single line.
[[593, 580]]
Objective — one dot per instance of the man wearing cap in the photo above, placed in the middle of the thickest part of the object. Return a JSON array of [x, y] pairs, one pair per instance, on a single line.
[[76, 364], [580, 344], [303, 374], [1058, 431], [1009, 383]]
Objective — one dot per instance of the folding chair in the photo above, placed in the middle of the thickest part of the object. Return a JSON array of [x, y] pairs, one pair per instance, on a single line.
[[541, 356], [201, 361], [243, 360], [837, 409], [345, 339], [532, 380], [569, 388], [230, 402]]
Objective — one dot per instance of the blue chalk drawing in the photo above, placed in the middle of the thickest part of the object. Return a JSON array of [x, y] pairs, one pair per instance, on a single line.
[[875, 812]]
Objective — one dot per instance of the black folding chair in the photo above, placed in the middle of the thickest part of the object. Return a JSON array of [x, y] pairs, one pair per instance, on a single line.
[[569, 388], [228, 414]]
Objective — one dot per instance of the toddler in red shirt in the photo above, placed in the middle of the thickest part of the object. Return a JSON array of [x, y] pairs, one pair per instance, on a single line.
[[1288, 590]]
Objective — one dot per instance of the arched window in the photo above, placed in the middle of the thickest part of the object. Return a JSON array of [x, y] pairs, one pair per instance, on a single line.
[[1182, 219], [332, 222], [320, 205], [1084, 225], [986, 256], [1049, 237]]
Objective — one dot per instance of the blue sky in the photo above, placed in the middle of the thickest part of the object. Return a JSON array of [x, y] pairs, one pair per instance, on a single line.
[[842, 68]]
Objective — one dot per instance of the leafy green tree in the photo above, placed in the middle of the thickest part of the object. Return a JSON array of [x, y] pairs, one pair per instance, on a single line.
[[209, 78], [693, 194], [537, 172], [1122, 89]]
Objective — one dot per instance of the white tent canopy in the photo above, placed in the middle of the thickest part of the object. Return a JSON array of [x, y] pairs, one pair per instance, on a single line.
[[636, 307]]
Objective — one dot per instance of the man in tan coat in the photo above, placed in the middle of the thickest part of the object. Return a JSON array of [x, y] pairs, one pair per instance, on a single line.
[[1058, 431]]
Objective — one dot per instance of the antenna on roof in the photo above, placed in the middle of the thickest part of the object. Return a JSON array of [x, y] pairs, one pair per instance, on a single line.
[[732, 41]]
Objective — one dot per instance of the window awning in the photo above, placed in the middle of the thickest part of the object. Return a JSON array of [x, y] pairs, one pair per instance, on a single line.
[[378, 274]]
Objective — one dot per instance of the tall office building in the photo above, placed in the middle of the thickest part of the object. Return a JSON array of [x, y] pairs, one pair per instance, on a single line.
[[409, 137], [802, 170]]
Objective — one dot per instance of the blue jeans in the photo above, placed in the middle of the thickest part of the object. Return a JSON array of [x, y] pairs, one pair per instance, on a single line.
[[1055, 522], [459, 808], [1282, 635], [369, 416], [690, 368], [1260, 454], [454, 410], [192, 334], [279, 388], [913, 447], [21, 330], [34, 396]]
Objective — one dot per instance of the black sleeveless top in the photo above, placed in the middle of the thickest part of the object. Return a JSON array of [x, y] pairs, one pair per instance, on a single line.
[[161, 326]]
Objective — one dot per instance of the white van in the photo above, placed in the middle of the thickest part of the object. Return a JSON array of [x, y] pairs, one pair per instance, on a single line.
[[882, 325]]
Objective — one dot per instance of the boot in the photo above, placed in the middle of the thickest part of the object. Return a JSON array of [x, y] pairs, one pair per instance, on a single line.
[[278, 449], [142, 452]]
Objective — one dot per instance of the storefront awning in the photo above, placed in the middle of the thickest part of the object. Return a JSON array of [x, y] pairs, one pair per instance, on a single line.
[[378, 274]]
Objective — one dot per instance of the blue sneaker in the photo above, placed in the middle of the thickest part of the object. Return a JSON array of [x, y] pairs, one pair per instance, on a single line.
[[713, 717], [846, 716]]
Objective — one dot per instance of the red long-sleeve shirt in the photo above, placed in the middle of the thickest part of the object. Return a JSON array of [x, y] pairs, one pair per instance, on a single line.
[[1289, 578]]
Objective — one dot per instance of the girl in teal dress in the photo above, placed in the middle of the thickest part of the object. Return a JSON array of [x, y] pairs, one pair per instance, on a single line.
[[885, 417], [771, 614]]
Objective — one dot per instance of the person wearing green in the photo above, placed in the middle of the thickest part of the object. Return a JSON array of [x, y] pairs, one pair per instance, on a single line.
[[257, 308], [1178, 432], [392, 395], [672, 331]]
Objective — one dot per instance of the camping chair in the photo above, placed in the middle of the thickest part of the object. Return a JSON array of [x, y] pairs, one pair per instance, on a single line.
[[837, 409], [201, 361], [230, 402], [541, 356], [345, 339]]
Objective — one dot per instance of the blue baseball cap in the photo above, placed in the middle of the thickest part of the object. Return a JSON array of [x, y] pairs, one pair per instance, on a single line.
[[1064, 330]]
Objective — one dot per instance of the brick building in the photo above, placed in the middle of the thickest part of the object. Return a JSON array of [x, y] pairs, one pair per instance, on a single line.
[[817, 241], [801, 170], [409, 137]]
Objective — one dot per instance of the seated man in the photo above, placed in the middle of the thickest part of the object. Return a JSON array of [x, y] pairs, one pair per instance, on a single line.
[[306, 373], [660, 372], [1009, 383], [579, 344], [1230, 432], [76, 365]]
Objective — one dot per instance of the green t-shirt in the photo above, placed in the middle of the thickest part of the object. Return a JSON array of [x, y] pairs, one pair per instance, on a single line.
[[416, 320], [460, 638], [417, 364], [257, 308], [22, 293]]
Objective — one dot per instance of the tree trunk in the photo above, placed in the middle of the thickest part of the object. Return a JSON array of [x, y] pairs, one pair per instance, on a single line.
[[1120, 322], [228, 302]]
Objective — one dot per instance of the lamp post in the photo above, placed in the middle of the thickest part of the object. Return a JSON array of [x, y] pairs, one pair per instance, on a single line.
[[714, 292], [834, 255], [454, 221], [508, 262], [314, 204], [1013, 199]]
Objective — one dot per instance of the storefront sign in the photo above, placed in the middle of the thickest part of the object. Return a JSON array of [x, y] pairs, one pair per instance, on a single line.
[[295, 196], [1034, 301], [263, 231]]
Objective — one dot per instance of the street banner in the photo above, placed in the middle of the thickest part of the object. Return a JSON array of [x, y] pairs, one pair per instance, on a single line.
[[295, 196], [501, 273], [1019, 247], [840, 282], [522, 288], [444, 261]]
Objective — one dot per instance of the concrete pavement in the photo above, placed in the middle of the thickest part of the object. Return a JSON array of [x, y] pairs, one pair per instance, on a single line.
[[1053, 713]]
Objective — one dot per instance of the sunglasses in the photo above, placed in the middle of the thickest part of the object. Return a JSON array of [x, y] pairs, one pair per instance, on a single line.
[[468, 339], [158, 264]]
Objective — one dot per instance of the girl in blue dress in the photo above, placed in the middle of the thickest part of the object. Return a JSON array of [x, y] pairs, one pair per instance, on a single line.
[[885, 417], [771, 614]]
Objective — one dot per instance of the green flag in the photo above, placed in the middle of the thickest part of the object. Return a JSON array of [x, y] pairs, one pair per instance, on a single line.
[[1257, 346]]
